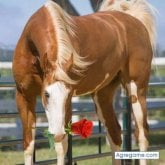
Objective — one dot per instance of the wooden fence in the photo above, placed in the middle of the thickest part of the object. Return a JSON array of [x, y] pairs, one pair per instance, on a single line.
[[88, 105]]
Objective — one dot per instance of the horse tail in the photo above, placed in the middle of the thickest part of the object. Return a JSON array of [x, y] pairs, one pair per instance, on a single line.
[[139, 9]]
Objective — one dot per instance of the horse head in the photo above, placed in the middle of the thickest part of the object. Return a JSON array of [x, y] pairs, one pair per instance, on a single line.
[[56, 98]]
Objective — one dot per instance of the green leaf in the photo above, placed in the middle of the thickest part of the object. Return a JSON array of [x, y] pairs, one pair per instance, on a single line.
[[50, 138], [68, 128]]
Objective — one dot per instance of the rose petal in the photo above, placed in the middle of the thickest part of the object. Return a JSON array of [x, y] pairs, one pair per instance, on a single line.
[[83, 128]]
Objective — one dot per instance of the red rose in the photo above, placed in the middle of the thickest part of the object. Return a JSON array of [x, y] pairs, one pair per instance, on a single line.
[[83, 128]]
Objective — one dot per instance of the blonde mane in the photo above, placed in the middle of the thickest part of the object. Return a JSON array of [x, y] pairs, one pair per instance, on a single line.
[[64, 25], [139, 9]]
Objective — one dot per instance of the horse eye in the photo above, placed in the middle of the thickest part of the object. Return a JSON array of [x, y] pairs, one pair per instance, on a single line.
[[47, 95]]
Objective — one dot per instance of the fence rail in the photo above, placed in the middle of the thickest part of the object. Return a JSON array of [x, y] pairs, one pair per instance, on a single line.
[[78, 105]]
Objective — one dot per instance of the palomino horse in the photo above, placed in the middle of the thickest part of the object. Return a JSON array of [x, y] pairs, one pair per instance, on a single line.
[[59, 56]]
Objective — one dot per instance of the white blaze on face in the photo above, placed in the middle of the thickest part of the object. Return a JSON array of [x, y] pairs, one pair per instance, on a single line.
[[55, 107]]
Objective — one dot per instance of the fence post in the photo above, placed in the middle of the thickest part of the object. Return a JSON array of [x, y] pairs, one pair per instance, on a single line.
[[69, 152], [99, 139], [127, 130]]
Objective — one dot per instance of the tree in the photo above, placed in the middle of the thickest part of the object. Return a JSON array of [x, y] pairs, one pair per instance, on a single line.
[[66, 5], [95, 4]]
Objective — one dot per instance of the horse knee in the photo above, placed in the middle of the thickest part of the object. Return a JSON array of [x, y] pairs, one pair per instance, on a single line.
[[29, 149]]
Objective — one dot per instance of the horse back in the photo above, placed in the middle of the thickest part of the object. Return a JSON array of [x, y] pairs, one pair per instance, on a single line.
[[117, 43], [103, 32]]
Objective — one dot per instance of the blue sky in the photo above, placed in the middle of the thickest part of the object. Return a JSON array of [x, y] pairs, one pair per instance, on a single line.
[[15, 13]]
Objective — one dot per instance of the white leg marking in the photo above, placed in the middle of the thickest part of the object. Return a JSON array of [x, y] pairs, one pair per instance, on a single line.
[[114, 147], [138, 114], [28, 153], [61, 149]]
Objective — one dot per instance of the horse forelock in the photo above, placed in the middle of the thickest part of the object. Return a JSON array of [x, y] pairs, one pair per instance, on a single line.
[[65, 26]]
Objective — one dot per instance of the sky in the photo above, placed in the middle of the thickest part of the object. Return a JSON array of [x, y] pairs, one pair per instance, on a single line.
[[15, 13]]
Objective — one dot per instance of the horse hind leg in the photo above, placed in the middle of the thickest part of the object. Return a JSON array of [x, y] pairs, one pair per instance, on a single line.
[[26, 109], [138, 101], [104, 107]]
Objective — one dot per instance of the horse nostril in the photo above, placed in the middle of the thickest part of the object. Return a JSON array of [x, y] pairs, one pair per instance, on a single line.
[[47, 95]]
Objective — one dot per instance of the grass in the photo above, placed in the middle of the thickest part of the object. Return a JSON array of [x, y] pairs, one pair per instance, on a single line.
[[157, 115], [16, 157], [157, 138], [83, 147], [79, 148], [6, 72]]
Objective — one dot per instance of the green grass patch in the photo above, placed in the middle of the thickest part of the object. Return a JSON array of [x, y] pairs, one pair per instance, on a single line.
[[157, 138], [16, 157], [6, 72], [80, 148], [157, 115]]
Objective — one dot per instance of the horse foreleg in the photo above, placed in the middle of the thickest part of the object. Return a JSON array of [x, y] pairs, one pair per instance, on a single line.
[[138, 101], [26, 106], [61, 149], [104, 106]]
